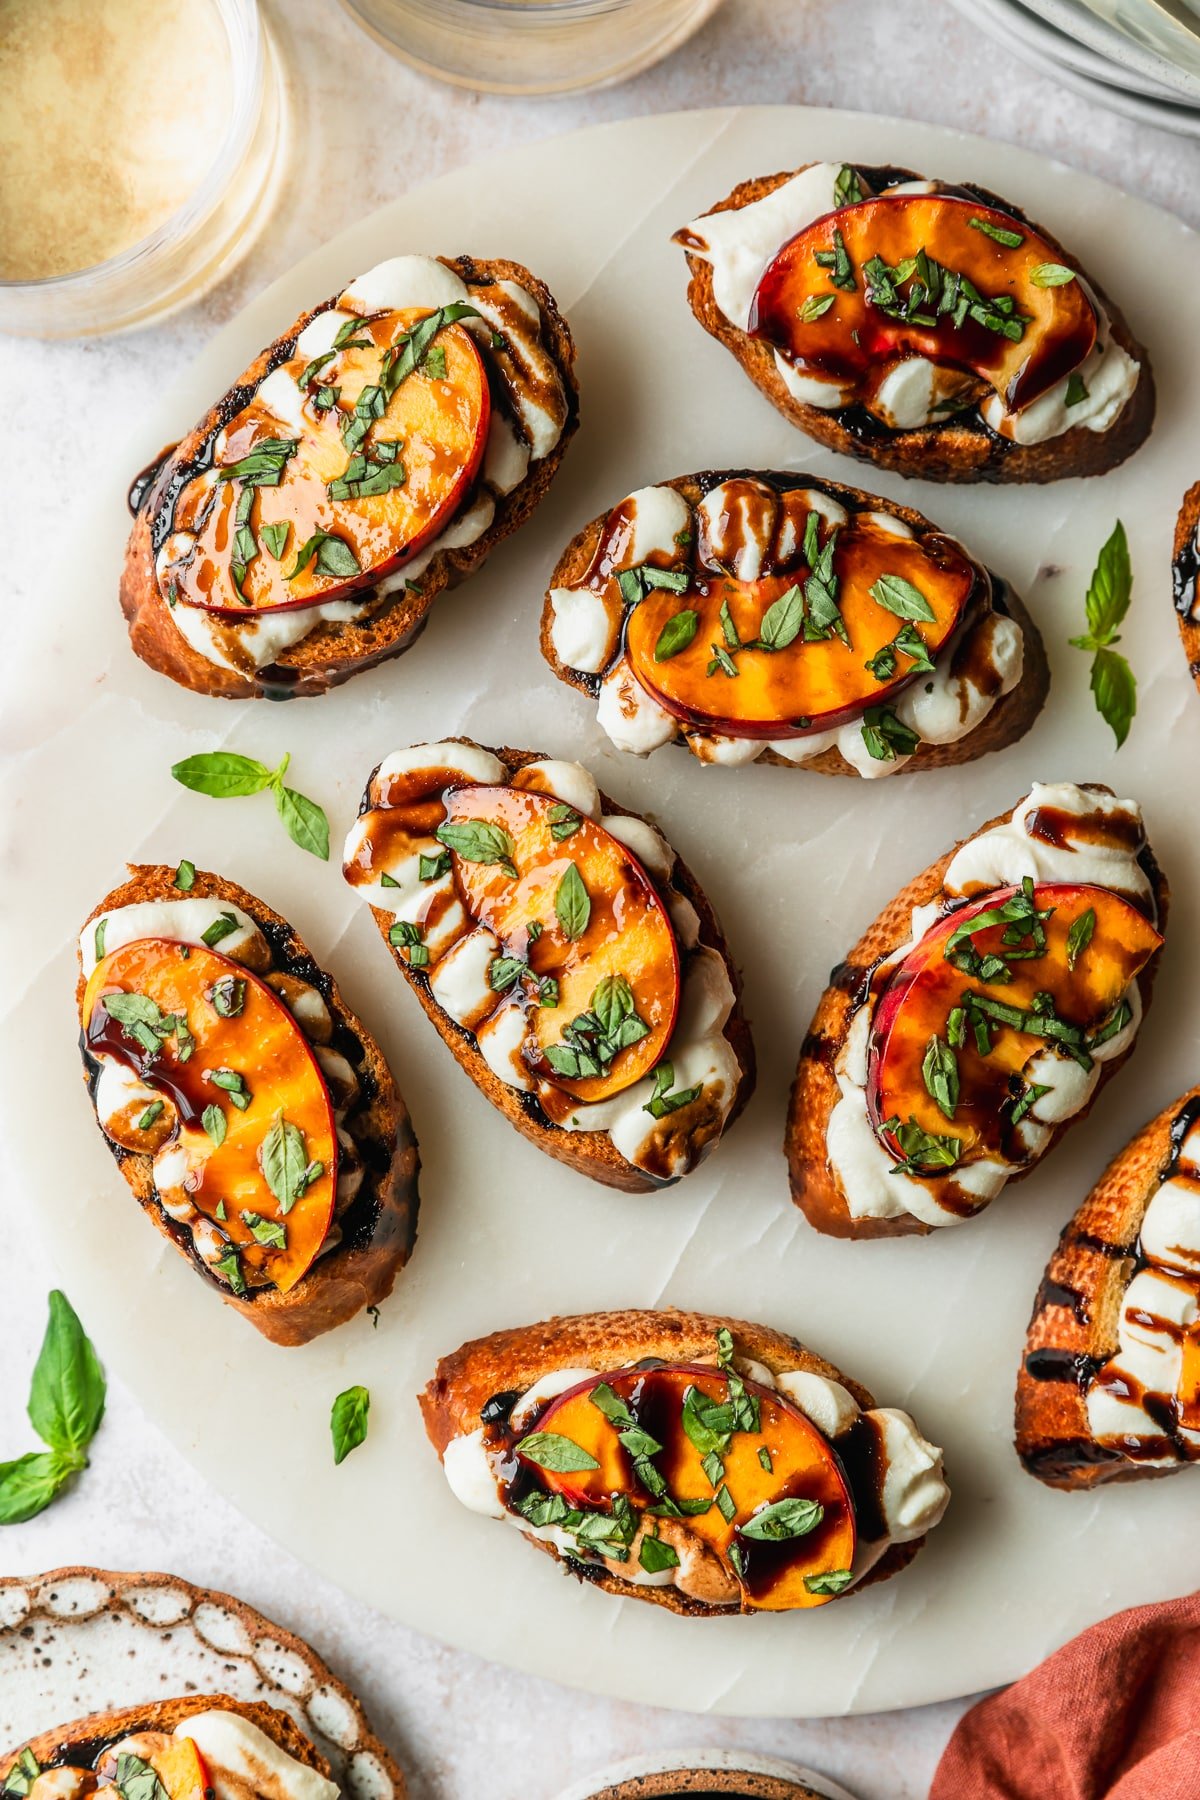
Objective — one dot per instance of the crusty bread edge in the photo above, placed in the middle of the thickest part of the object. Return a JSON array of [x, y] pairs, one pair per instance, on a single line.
[[514, 1359], [347, 1279], [1009, 719], [953, 451], [395, 626], [590, 1153], [815, 1090], [1051, 1415]]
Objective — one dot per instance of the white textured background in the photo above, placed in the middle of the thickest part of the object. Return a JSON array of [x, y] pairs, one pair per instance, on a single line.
[[365, 128]]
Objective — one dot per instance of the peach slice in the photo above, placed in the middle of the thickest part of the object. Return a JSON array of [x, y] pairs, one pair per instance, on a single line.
[[249, 1100], [850, 314], [565, 897], [1054, 981], [320, 511], [181, 1769], [782, 1458], [722, 682]]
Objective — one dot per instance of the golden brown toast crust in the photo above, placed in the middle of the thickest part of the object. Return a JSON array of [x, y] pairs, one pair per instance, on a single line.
[[53, 1748], [1009, 719], [1184, 567], [590, 1153], [1077, 1312], [350, 1276], [333, 652], [514, 1359], [815, 1090], [955, 451]]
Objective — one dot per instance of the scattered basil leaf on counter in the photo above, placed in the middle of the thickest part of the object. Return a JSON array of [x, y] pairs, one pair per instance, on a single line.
[[1080, 936], [66, 1405], [939, 1072], [1051, 274], [899, 596], [814, 307], [185, 876], [213, 1121], [676, 635], [275, 537], [1113, 684], [1076, 389], [551, 1450], [784, 1519], [225, 775], [655, 1556], [832, 1581], [999, 233], [478, 842], [574, 908], [98, 939]]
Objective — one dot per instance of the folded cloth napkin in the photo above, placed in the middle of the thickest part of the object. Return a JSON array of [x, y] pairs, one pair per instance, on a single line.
[[1113, 1715]]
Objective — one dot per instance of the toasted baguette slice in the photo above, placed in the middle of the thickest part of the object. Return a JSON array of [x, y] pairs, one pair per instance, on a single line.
[[508, 1363], [1185, 568], [378, 1227], [963, 448], [334, 649], [588, 1152], [1008, 718], [1077, 1315], [816, 1187], [81, 1744]]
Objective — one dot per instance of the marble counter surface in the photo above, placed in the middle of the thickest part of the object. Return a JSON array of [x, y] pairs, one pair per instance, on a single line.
[[364, 128]]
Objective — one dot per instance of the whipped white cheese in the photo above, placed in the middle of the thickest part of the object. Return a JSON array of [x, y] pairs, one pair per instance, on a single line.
[[245, 1764], [1138, 1389], [740, 242], [912, 1497], [1104, 854], [698, 1051], [508, 335], [586, 632]]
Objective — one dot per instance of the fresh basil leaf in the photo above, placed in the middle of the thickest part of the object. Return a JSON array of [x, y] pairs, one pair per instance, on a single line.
[[1080, 936], [98, 939], [726, 1505], [334, 557], [939, 1071], [572, 903], [831, 1581], [764, 1459], [285, 1163], [612, 1003], [564, 822], [304, 821], [214, 1123], [814, 307], [262, 466], [782, 620], [223, 926], [676, 635], [348, 1421], [137, 1779], [504, 972], [610, 1403], [429, 868], [899, 596], [228, 996], [999, 233], [223, 774], [478, 842], [185, 877], [67, 1393], [434, 364], [1051, 274], [1110, 589], [783, 1519], [1077, 391], [1114, 689], [551, 1450], [402, 357], [847, 188], [655, 1556], [22, 1774], [275, 537], [229, 1267], [885, 736], [28, 1485], [662, 1101], [151, 1113], [922, 1152], [268, 1232]]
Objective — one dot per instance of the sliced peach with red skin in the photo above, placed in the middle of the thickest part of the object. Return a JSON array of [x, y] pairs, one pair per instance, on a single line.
[[623, 930], [851, 338], [803, 1465], [805, 687], [434, 427], [262, 1043], [916, 1003], [182, 1770]]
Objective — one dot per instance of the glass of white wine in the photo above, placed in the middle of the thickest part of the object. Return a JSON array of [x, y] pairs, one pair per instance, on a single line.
[[531, 46]]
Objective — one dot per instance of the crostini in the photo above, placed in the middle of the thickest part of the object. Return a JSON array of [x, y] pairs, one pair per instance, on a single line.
[[370, 457], [977, 1017], [250, 1111], [789, 619], [565, 954], [926, 327], [186, 1749], [1109, 1387], [705, 1464], [1185, 573]]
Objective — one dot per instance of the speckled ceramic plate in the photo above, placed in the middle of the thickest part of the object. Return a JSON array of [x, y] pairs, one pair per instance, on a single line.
[[704, 1774], [78, 1641]]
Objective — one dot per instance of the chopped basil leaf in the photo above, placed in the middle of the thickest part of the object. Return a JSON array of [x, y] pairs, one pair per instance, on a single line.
[[782, 621], [662, 1101], [814, 307], [222, 927], [98, 939], [939, 1071], [900, 597], [1080, 936], [285, 1165], [726, 1505], [655, 1556], [263, 466], [923, 1153], [592, 1039], [275, 537], [832, 1581], [764, 1457], [429, 868], [228, 996], [634, 584], [230, 1266], [268, 1232], [434, 363], [676, 635], [783, 1519], [1051, 274], [152, 1112], [213, 1120], [334, 557], [1011, 240], [573, 907], [847, 188], [478, 842], [564, 822], [185, 877], [1077, 391], [885, 736], [551, 1450]]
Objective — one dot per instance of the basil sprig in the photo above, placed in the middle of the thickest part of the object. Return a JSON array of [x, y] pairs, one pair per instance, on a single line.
[[348, 1421], [477, 841], [66, 1405], [286, 1166], [225, 775], [1114, 687]]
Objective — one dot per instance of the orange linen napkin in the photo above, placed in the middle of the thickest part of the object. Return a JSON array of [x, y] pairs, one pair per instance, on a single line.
[[1113, 1715]]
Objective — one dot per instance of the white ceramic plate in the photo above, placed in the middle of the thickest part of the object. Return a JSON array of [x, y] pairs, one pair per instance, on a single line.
[[79, 1641], [796, 864]]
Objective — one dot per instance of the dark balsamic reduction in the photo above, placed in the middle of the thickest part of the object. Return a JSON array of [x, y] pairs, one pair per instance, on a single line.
[[1060, 1460], [1059, 1293], [144, 480], [1074, 1366], [1185, 572]]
